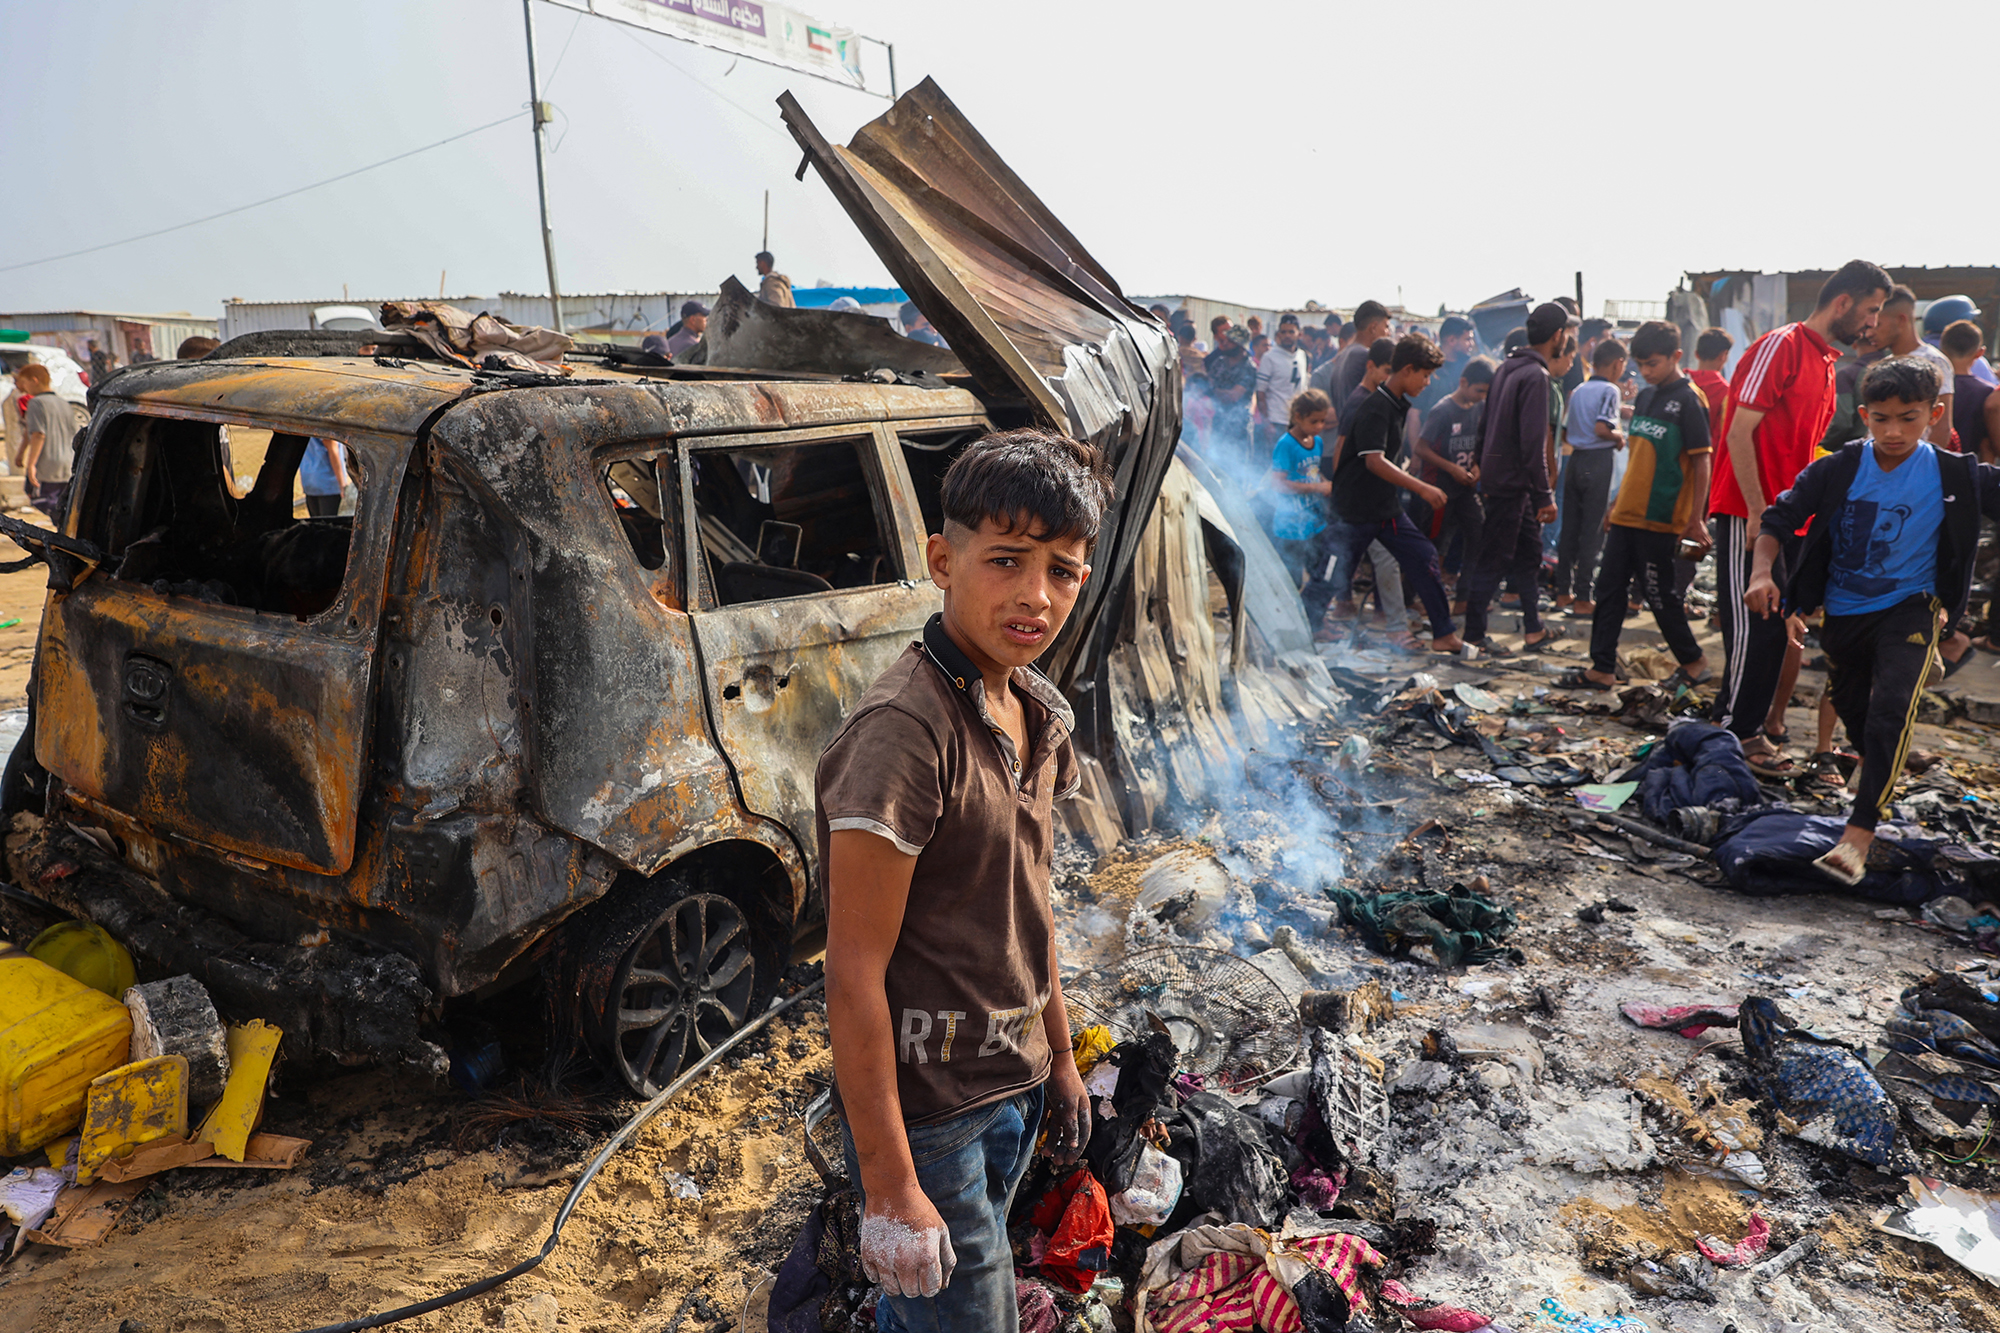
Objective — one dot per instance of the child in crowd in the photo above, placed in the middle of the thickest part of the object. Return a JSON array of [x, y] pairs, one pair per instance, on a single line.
[[1368, 481], [951, 1048], [1594, 441], [1448, 447], [1889, 554], [1711, 353], [1340, 573], [1298, 519], [1660, 504]]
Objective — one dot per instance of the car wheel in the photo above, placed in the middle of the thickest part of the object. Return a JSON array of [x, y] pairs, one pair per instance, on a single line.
[[674, 982]]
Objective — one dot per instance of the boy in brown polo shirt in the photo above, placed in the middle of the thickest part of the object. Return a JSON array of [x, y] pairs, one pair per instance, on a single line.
[[936, 826]]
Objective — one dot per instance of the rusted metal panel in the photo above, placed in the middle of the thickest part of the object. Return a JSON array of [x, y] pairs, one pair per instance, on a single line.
[[1024, 306], [744, 331]]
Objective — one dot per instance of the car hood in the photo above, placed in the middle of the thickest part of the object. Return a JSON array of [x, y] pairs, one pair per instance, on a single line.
[[1043, 330]]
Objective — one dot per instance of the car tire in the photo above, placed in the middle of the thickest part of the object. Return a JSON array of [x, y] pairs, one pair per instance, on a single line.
[[670, 975]]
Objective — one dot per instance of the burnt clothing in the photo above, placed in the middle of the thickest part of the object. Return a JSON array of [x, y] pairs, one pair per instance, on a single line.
[[1876, 667], [1638, 556], [921, 763], [1360, 496], [1753, 646], [1820, 495], [1514, 431]]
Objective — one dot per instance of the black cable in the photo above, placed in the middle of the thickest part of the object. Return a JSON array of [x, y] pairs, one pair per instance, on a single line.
[[244, 208], [625, 1132]]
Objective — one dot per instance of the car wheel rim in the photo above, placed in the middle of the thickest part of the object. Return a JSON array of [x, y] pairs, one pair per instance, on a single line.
[[681, 990]]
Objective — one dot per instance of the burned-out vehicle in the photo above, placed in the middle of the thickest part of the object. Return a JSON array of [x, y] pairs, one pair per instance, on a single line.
[[552, 696]]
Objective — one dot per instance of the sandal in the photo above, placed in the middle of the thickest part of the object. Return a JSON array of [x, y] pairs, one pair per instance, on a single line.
[[1491, 648], [1768, 761], [1826, 770], [1530, 643], [1681, 677], [1576, 679], [1837, 870]]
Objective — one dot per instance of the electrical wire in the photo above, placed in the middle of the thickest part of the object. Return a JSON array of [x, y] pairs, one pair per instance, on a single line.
[[244, 208], [618, 1140], [760, 119]]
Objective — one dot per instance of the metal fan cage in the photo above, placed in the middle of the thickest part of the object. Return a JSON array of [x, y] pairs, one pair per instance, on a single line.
[[1230, 1023]]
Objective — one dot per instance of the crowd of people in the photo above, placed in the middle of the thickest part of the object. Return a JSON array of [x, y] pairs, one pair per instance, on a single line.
[[1839, 474]]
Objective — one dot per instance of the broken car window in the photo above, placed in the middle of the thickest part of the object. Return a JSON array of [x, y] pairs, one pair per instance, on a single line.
[[787, 521], [927, 453], [167, 515]]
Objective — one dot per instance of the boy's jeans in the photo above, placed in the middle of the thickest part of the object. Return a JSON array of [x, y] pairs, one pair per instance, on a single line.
[[968, 1168]]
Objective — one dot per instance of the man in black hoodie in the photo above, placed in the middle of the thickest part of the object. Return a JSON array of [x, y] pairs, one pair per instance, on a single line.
[[1514, 479]]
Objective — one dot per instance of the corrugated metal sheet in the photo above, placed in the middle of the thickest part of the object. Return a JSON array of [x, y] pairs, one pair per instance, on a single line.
[[72, 330]]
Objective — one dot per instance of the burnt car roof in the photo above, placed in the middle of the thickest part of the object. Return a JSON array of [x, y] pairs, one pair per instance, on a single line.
[[397, 396]]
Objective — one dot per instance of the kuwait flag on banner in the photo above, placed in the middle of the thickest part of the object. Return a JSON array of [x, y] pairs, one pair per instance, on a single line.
[[820, 40]]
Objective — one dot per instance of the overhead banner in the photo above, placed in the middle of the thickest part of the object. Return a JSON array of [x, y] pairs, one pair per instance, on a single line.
[[774, 34]]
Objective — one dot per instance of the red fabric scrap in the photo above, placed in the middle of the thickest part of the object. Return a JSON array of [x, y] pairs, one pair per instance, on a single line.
[[1431, 1314], [1690, 1020], [1076, 1217], [1750, 1248]]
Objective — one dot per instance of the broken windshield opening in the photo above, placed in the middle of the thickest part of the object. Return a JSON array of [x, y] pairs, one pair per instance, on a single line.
[[188, 509], [788, 521], [927, 453]]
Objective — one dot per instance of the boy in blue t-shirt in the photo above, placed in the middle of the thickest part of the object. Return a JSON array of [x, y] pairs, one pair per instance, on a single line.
[[1298, 519], [1895, 526]]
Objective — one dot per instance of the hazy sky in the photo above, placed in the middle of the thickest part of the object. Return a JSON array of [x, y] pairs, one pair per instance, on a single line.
[[1262, 153]]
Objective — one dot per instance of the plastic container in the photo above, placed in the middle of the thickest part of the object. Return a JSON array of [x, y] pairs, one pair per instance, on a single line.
[[56, 1034], [86, 951]]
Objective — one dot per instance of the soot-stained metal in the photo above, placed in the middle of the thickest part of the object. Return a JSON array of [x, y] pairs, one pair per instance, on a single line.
[[565, 663]]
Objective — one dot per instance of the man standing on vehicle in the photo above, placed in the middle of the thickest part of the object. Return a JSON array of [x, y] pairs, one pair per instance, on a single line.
[[48, 428], [1780, 401], [951, 1047], [773, 288]]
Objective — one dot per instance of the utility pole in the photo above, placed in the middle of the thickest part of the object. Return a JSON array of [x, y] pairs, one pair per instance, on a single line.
[[1579, 293], [767, 222], [540, 116]]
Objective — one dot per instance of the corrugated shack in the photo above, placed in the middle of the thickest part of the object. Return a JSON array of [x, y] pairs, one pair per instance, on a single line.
[[104, 340], [1747, 304]]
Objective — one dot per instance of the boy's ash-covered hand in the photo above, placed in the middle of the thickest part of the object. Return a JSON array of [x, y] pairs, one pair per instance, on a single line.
[[906, 1249], [1066, 1120]]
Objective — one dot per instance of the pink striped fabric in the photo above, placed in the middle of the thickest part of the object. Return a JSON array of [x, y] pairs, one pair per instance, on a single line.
[[1234, 1293]]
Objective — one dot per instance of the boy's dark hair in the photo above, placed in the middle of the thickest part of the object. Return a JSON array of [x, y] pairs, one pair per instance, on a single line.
[[1900, 295], [1900, 379], [1516, 338], [1288, 318], [1961, 338], [1856, 278], [1220, 321], [1454, 326], [1710, 344], [1347, 329], [1479, 370], [1368, 312], [1030, 475], [1656, 337], [1413, 350], [1382, 352], [1593, 328], [1606, 354]]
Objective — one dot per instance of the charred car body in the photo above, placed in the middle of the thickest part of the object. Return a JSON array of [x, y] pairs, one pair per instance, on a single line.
[[554, 693]]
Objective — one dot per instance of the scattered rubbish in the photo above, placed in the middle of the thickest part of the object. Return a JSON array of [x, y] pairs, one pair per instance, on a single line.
[[1237, 1277], [162, 1154], [1789, 1258], [1823, 1092], [1426, 1314], [85, 951], [1183, 890], [1347, 1107], [1605, 796], [1690, 1020], [85, 1215], [1474, 697], [1075, 1216], [1228, 1020], [1696, 765], [56, 1035], [252, 1047], [129, 1107], [1506, 1043], [1748, 1250], [1355, 751], [28, 1194], [1156, 1187], [1963, 1223], [1354, 1010], [1457, 927], [176, 1017], [1599, 1133], [683, 1186]]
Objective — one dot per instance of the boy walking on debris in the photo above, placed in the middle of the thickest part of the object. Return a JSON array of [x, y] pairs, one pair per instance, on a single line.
[[1368, 479], [1448, 446], [951, 1047], [1659, 506], [1895, 526]]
